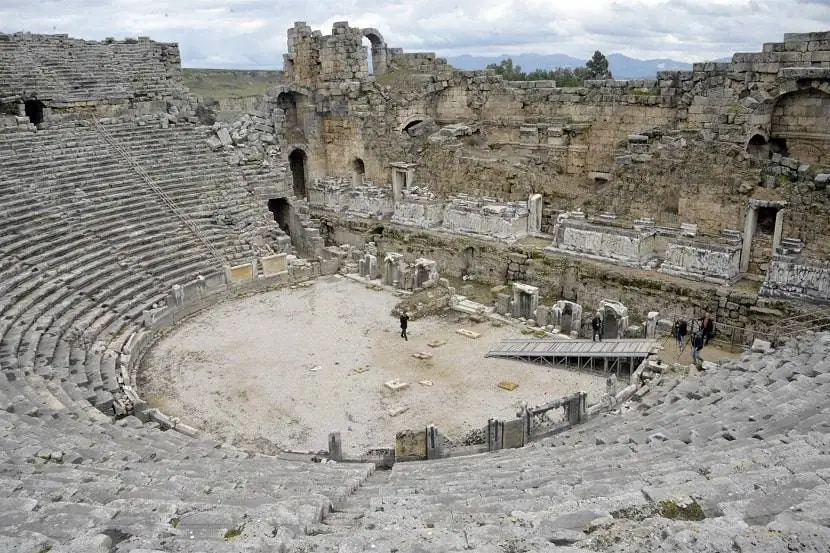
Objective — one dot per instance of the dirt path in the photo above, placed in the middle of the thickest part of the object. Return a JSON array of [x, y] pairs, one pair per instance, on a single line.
[[285, 368]]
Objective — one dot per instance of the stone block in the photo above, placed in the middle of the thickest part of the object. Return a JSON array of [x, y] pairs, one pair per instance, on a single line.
[[274, 264], [396, 385], [760, 346], [242, 273], [224, 137], [468, 333], [411, 445]]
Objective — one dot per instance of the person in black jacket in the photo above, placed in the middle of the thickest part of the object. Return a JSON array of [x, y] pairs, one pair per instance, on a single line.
[[697, 345], [596, 328], [707, 327], [404, 324]]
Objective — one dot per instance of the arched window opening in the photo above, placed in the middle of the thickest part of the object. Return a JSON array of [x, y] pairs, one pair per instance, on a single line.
[[358, 171], [370, 66], [758, 147]]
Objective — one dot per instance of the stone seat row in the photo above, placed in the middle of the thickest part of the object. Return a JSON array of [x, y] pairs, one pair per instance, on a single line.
[[747, 442]]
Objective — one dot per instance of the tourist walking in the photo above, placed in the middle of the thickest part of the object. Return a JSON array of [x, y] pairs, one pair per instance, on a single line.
[[707, 327], [681, 328], [404, 324], [596, 328], [697, 345]]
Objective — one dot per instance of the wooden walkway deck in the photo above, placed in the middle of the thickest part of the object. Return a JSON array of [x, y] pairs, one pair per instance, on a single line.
[[608, 355]]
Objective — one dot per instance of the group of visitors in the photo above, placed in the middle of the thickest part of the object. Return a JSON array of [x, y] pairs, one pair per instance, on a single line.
[[701, 335]]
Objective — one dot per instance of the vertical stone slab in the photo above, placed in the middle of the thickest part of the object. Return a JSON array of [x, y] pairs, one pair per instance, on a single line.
[[274, 264], [534, 218], [503, 304], [435, 443], [651, 324], [495, 432], [335, 447], [242, 273], [542, 315], [411, 445], [779, 229], [514, 433], [749, 230]]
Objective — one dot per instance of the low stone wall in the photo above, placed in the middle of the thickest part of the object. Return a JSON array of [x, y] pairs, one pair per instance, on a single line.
[[624, 246], [186, 300], [502, 221], [789, 277], [709, 262]]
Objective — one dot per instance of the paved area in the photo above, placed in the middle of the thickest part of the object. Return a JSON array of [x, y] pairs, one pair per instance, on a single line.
[[284, 368]]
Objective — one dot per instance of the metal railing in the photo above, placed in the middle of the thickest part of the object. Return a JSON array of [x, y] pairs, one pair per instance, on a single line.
[[183, 217]]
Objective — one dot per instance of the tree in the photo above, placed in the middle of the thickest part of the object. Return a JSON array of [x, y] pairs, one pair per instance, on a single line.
[[507, 70], [598, 66]]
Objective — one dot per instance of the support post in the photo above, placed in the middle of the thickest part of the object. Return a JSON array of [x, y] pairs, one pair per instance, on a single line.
[[494, 434], [749, 231]]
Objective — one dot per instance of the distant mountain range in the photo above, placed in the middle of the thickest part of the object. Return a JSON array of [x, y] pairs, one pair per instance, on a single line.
[[622, 67]]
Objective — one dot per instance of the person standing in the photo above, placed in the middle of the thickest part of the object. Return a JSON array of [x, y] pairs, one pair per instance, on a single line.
[[707, 327], [404, 324], [596, 328], [697, 345], [681, 328]]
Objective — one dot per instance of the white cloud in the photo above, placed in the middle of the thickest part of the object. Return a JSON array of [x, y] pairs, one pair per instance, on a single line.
[[251, 33]]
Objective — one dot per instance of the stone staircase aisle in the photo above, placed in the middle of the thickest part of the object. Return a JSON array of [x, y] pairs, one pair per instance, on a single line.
[[349, 515]]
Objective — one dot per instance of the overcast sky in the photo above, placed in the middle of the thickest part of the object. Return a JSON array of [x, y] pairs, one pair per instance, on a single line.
[[251, 33]]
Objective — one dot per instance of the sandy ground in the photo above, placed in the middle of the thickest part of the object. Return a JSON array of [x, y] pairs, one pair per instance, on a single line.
[[283, 369]]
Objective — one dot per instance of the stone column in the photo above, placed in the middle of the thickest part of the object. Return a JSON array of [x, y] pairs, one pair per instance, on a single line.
[[495, 429], [749, 231], [779, 229], [534, 217], [651, 324]]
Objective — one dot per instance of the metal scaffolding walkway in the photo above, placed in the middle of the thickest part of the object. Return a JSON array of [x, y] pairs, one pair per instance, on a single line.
[[608, 355]]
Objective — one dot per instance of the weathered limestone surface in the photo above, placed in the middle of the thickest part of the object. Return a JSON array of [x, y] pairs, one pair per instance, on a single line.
[[709, 262], [793, 277]]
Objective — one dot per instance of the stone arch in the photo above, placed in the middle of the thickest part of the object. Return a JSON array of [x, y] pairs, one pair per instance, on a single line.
[[358, 171], [413, 120], [757, 145], [377, 50], [800, 125]]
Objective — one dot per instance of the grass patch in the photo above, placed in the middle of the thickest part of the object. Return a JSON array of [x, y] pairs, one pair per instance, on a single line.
[[234, 532], [394, 78], [227, 83], [671, 510]]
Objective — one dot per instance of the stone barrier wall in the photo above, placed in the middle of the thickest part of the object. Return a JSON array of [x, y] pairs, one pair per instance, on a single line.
[[790, 277]]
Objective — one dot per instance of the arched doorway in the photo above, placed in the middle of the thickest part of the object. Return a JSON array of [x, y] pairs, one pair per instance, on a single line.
[[281, 209], [297, 163], [757, 147], [34, 111], [358, 171], [469, 261], [800, 126], [376, 51]]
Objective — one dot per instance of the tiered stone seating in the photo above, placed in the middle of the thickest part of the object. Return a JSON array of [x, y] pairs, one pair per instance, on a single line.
[[66, 69], [67, 481], [742, 452], [86, 247]]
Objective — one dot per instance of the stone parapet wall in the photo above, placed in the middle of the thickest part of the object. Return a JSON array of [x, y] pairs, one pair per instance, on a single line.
[[712, 263], [790, 277], [625, 246]]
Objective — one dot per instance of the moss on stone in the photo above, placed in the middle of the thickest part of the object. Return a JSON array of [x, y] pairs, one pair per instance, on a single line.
[[674, 511], [233, 533]]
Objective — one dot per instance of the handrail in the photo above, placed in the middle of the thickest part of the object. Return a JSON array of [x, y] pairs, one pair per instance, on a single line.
[[183, 217]]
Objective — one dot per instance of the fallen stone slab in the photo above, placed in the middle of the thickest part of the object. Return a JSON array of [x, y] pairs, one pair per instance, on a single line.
[[709, 366], [396, 385], [507, 385], [425, 382], [394, 412], [468, 333], [436, 343], [422, 355], [760, 346]]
